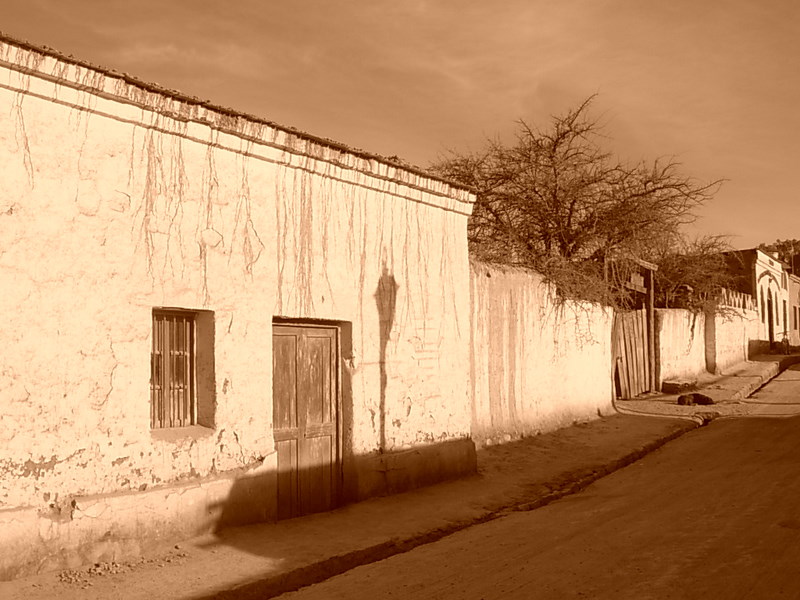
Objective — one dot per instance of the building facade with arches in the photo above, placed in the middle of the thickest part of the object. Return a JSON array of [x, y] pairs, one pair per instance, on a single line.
[[766, 278]]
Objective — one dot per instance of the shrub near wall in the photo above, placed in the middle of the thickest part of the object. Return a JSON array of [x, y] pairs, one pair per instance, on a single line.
[[537, 365]]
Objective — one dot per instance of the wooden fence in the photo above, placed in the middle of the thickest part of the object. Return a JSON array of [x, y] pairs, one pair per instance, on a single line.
[[631, 349]]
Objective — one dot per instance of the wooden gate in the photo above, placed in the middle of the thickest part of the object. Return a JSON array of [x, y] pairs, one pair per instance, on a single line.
[[633, 354], [306, 418]]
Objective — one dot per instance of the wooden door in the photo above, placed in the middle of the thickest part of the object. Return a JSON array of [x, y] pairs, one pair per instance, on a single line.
[[306, 418], [631, 351]]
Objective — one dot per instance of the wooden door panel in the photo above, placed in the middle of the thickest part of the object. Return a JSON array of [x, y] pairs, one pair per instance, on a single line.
[[288, 491], [284, 380], [317, 379], [316, 476]]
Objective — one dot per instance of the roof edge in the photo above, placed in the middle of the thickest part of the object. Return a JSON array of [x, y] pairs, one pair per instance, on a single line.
[[756, 251], [394, 162]]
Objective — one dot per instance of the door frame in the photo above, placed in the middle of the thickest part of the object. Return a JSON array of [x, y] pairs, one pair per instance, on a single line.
[[336, 400]]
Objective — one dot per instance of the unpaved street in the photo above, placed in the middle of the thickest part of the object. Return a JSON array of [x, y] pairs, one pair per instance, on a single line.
[[714, 514]]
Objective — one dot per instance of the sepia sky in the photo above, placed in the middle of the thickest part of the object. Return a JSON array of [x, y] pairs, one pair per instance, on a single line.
[[715, 84]]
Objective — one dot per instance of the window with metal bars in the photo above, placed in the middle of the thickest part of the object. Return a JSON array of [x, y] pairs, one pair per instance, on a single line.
[[172, 369]]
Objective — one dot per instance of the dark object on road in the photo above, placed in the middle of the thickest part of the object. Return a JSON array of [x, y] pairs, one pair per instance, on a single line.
[[694, 398]]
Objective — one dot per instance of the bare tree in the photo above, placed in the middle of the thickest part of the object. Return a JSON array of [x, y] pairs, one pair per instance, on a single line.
[[692, 273], [557, 202]]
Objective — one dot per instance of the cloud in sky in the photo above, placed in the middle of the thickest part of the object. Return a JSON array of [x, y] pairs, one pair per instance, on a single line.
[[712, 82]]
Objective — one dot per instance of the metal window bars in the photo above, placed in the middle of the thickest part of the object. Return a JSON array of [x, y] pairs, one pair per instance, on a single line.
[[172, 370]]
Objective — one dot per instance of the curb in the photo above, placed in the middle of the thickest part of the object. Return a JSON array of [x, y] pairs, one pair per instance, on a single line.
[[763, 379], [700, 418], [325, 569], [703, 414], [777, 367]]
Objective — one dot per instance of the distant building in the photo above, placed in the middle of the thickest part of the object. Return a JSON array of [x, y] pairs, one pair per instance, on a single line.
[[766, 278]]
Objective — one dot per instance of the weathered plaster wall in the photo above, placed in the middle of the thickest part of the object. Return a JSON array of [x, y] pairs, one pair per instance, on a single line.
[[117, 199], [536, 365], [104, 528], [103, 218], [680, 335], [691, 345], [732, 331]]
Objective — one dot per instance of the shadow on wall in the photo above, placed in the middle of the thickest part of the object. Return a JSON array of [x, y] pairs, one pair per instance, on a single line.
[[386, 300], [756, 348], [255, 498], [287, 543]]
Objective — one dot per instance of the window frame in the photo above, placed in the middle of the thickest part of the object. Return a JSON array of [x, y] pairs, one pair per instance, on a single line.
[[173, 382]]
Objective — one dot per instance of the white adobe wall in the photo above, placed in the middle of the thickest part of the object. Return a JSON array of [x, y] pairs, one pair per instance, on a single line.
[[102, 220], [680, 335], [116, 200], [691, 345], [733, 331], [535, 366]]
